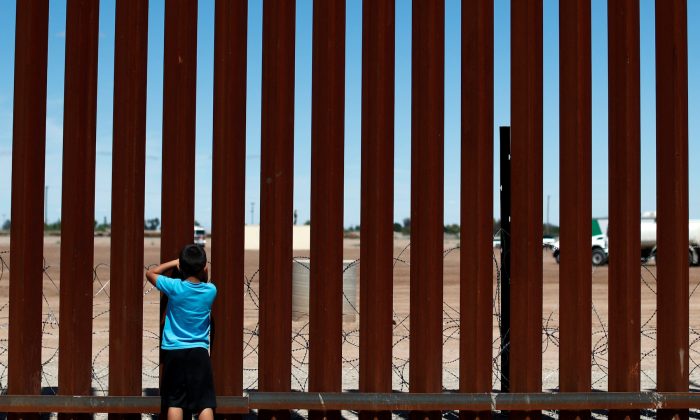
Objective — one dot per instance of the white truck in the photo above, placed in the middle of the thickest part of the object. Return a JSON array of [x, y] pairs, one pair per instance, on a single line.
[[200, 236], [648, 238], [599, 242]]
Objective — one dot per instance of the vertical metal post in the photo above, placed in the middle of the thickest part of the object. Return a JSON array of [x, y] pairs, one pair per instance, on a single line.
[[427, 191], [476, 253], [276, 193], [27, 239], [504, 134], [526, 178], [624, 190], [128, 180], [179, 122], [575, 198], [377, 209], [78, 204], [672, 198], [327, 142], [228, 198], [624, 239]]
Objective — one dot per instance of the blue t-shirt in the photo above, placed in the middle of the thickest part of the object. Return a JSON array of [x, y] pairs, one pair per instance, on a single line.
[[187, 317]]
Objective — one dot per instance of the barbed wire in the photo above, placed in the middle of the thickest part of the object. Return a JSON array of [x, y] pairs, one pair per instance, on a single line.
[[350, 336]]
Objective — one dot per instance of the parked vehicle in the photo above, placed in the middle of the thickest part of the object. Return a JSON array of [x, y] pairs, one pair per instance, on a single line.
[[599, 242], [497, 241], [200, 236], [548, 240], [648, 238]]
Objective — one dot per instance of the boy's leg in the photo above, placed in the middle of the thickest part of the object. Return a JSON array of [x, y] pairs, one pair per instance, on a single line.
[[200, 383], [175, 413], [206, 414]]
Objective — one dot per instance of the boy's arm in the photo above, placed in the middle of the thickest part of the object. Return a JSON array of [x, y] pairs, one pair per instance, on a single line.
[[153, 273]]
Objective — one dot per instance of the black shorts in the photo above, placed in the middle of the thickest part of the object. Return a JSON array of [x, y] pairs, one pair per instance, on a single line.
[[187, 380]]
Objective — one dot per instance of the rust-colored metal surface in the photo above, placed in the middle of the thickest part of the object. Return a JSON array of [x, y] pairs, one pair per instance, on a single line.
[[27, 239], [624, 289], [377, 209], [476, 254], [427, 183], [327, 143], [78, 203], [575, 294], [276, 193], [128, 180], [179, 109], [112, 404], [526, 181], [672, 198], [179, 120], [375, 398], [228, 194], [479, 402]]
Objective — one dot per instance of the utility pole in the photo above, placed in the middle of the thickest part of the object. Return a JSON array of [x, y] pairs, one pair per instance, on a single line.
[[252, 212]]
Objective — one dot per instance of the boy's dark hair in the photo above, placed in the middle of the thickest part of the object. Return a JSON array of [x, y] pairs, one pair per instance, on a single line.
[[193, 259]]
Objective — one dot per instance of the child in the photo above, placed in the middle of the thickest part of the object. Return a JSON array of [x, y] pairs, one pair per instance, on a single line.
[[187, 381]]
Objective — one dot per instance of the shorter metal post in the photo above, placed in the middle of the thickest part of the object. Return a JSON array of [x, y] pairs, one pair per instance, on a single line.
[[505, 257]]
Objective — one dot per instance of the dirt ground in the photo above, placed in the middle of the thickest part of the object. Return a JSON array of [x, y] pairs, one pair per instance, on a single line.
[[550, 315]]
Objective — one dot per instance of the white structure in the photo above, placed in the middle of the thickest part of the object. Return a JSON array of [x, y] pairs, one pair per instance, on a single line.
[[300, 289], [301, 235]]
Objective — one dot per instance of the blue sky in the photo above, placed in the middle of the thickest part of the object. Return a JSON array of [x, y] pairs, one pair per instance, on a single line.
[[302, 129]]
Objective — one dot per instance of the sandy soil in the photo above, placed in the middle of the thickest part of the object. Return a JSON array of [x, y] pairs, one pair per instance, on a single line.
[[550, 315]]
